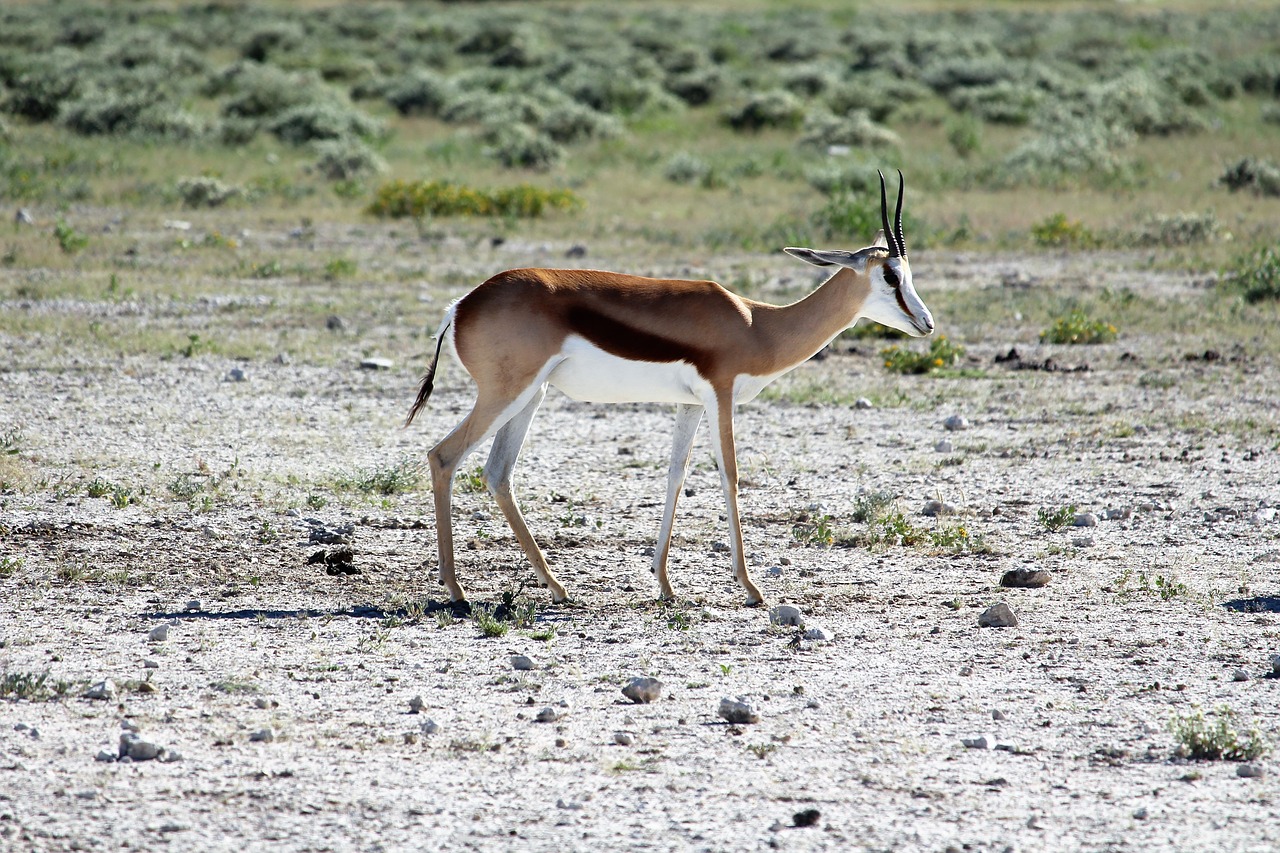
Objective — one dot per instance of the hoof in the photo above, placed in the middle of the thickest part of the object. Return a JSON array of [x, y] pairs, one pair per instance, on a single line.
[[754, 601], [461, 608]]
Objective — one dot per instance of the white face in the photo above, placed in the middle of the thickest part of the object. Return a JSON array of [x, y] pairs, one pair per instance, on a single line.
[[893, 301]]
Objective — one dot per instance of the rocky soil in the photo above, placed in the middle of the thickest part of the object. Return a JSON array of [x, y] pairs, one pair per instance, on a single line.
[[267, 691]]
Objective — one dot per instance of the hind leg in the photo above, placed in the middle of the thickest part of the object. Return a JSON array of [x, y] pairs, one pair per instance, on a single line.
[[497, 476]]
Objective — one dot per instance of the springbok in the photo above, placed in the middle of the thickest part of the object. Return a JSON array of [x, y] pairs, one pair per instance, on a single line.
[[611, 338]]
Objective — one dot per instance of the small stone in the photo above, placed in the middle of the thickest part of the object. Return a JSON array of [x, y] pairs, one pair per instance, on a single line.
[[623, 738], [1265, 515], [105, 689], [577, 250], [376, 364], [147, 687], [944, 446], [1251, 771], [1141, 814], [150, 663], [193, 606], [410, 738], [642, 691], [262, 736], [1025, 578], [429, 727], [720, 547], [774, 571], [1084, 541], [522, 663], [1116, 514], [979, 742], [787, 615], [158, 634], [1084, 519], [935, 509], [105, 755], [236, 374], [738, 710], [1239, 675], [955, 423], [997, 616], [561, 743], [808, 817], [416, 705], [169, 756], [817, 635], [863, 403], [997, 714], [23, 217], [549, 714], [262, 703], [1275, 664], [177, 225]]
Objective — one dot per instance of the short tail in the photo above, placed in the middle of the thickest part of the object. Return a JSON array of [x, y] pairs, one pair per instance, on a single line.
[[428, 381]]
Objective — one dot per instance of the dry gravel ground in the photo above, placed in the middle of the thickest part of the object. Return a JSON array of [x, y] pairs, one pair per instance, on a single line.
[[1149, 621]]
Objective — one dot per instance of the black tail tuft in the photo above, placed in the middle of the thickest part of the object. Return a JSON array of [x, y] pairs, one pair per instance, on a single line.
[[428, 381]]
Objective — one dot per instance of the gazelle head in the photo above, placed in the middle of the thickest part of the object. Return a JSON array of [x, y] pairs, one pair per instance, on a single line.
[[891, 300]]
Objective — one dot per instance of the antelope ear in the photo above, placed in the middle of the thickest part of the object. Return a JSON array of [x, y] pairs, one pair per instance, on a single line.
[[812, 256], [881, 240]]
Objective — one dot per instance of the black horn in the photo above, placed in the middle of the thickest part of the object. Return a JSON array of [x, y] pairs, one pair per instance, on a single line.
[[897, 217], [890, 236]]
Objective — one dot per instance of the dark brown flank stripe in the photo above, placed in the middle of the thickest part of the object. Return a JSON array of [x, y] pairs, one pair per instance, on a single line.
[[617, 338]]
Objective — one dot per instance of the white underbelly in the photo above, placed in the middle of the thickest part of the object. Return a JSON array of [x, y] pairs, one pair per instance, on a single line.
[[587, 373]]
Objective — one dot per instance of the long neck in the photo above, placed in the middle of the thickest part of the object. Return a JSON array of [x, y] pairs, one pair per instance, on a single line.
[[795, 332]]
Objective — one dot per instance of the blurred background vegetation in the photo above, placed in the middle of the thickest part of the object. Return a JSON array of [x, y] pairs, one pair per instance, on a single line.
[[701, 124]]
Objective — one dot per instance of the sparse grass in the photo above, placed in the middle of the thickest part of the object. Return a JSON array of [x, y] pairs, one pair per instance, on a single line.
[[11, 441], [1059, 232], [1256, 276], [1131, 584], [489, 625], [815, 532], [386, 480], [1200, 739], [441, 198], [32, 687], [69, 239], [9, 566], [472, 482]]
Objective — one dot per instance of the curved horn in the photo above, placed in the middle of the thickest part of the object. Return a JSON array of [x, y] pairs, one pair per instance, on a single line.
[[897, 218], [889, 234]]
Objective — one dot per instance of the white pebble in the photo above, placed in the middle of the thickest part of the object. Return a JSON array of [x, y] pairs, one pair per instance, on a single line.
[[623, 738], [105, 689], [979, 742], [158, 634], [817, 634], [944, 446]]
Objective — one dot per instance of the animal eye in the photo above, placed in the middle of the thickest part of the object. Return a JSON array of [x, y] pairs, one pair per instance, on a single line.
[[890, 276]]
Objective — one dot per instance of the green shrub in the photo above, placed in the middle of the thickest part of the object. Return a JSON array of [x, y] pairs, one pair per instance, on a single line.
[[774, 108], [323, 120], [686, 168], [346, 159], [1067, 149], [940, 354], [1200, 740], [419, 93], [1257, 275], [1261, 177], [964, 135], [1078, 328], [139, 115], [206, 192], [1056, 519], [441, 198], [856, 130], [1179, 229], [1005, 102], [835, 178], [696, 86], [69, 239], [519, 146], [1058, 232]]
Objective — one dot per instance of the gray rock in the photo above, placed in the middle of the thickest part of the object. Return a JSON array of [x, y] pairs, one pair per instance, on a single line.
[[1251, 771], [787, 615], [105, 755], [104, 689], [720, 547], [1275, 664], [955, 423], [623, 738], [935, 509], [774, 571], [1084, 541], [262, 703], [642, 691], [1025, 578], [1265, 515], [1084, 519], [150, 663], [987, 741], [862, 403], [1239, 675], [193, 606], [416, 705], [522, 663], [997, 714], [944, 446], [158, 634], [376, 364], [169, 756], [429, 726], [134, 746], [23, 217], [817, 635], [334, 323], [236, 374], [262, 736], [738, 710], [1116, 514], [997, 616]]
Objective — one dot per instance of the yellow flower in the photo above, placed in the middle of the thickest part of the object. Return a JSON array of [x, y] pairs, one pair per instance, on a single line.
[[937, 362]]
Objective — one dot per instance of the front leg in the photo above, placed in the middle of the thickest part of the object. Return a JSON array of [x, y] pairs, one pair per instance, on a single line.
[[687, 420], [726, 456]]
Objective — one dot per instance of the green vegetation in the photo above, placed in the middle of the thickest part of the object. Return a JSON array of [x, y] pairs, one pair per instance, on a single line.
[[488, 623], [441, 198], [1056, 518], [30, 687], [1058, 232], [1257, 275], [393, 479], [1078, 328], [941, 353], [1202, 740]]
